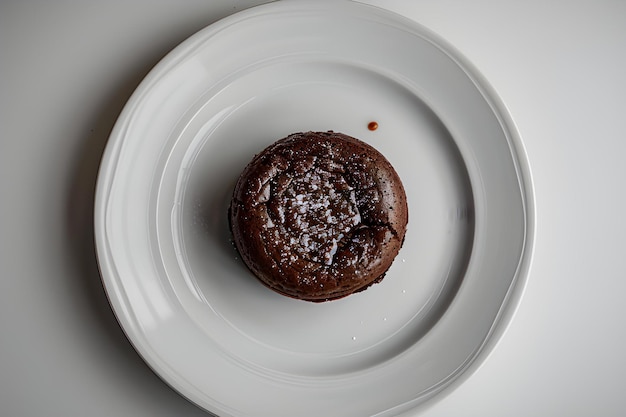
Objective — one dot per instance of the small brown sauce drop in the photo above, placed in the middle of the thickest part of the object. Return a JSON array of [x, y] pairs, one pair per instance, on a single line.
[[372, 126]]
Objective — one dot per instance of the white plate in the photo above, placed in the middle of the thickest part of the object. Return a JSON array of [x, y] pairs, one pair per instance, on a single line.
[[191, 308]]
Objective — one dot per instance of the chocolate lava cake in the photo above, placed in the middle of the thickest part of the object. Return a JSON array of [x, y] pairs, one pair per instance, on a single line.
[[318, 216]]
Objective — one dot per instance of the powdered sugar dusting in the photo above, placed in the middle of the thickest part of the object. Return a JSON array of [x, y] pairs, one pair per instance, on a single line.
[[320, 208], [313, 208]]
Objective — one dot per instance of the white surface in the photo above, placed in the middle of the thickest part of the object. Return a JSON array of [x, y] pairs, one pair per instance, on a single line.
[[66, 71], [202, 321]]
